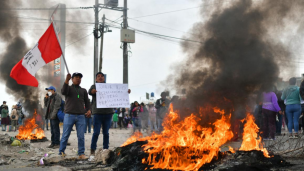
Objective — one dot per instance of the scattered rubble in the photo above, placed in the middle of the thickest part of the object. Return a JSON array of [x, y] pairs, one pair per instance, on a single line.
[[104, 157], [5, 139]]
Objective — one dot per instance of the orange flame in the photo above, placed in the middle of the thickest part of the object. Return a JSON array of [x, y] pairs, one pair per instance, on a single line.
[[136, 136], [185, 145], [30, 126], [231, 150], [251, 139]]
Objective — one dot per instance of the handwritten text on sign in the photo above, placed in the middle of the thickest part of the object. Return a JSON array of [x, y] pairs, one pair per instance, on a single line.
[[112, 95]]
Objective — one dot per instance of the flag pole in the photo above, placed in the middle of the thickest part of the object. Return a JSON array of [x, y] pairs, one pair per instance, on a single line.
[[52, 22]]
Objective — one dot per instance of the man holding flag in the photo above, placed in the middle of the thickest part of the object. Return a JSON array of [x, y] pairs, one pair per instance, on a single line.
[[75, 100]]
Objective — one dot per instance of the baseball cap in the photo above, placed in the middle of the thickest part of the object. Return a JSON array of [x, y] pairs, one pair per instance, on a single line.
[[99, 73], [51, 88], [77, 74]]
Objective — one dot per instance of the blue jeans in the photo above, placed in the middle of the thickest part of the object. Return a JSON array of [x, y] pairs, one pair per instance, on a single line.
[[293, 113], [279, 124], [68, 123], [55, 131], [88, 125], [136, 124], [46, 124], [160, 125], [19, 121], [103, 120], [114, 124]]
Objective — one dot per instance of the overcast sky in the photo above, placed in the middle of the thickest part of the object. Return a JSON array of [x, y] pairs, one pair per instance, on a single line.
[[151, 58]]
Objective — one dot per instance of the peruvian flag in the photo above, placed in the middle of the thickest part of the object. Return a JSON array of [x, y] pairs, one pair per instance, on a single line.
[[46, 50]]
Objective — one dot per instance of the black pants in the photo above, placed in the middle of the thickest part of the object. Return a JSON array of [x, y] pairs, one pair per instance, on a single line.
[[55, 131], [120, 122], [269, 126]]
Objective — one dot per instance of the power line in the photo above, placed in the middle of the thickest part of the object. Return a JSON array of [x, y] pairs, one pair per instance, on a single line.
[[160, 26], [17, 9], [165, 12], [45, 19], [78, 40], [171, 37], [160, 35], [145, 84], [113, 21]]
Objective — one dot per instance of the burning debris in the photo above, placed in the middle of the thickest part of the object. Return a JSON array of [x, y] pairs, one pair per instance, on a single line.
[[251, 139], [185, 145], [30, 130], [130, 157], [44, 139]]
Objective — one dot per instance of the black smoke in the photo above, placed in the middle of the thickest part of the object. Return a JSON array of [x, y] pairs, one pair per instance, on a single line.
[[240, 51], [15, 48]]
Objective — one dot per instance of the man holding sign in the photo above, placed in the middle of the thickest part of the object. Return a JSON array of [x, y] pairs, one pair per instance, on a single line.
[[104, 100]]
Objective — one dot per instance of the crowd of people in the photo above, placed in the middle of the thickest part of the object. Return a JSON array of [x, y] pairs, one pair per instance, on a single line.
[[148, 117], [11, 120], [276, 109]]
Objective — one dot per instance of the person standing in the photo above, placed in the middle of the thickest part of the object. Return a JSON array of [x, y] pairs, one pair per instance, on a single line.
[[46, 121], [121, 115], [14, 118], [4, 104], [115, 120], [144, 116], [75, 112], [280, 116], [152, 116], [102, 118], [270, 109], [293, 106], [52, 103], [135, 116], [4, 117], [20, 114], [127, 120], [162, 106]]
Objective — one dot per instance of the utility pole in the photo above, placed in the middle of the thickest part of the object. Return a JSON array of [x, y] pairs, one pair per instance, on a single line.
[[101, 42], [96, 40], [125, 46]]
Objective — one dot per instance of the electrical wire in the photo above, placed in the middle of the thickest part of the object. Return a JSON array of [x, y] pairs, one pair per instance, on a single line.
[[160, 35], [17, 9], [78, 40], [160, 26], [44, 19], [144, 84], [166, 12]]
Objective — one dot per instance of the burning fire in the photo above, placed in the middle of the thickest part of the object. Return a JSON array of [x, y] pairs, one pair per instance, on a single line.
[[251, 139], [185, 145], [136, 136], [30, 126]]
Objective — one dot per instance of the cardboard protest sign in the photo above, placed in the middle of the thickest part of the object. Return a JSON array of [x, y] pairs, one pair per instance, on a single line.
[[112, 95]]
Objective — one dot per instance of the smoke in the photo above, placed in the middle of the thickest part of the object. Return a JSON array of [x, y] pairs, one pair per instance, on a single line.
[[15, 47], [244, 45], [12, 54]]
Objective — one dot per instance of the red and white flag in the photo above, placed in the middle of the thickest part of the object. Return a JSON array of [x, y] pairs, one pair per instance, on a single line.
[[46, 50]]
